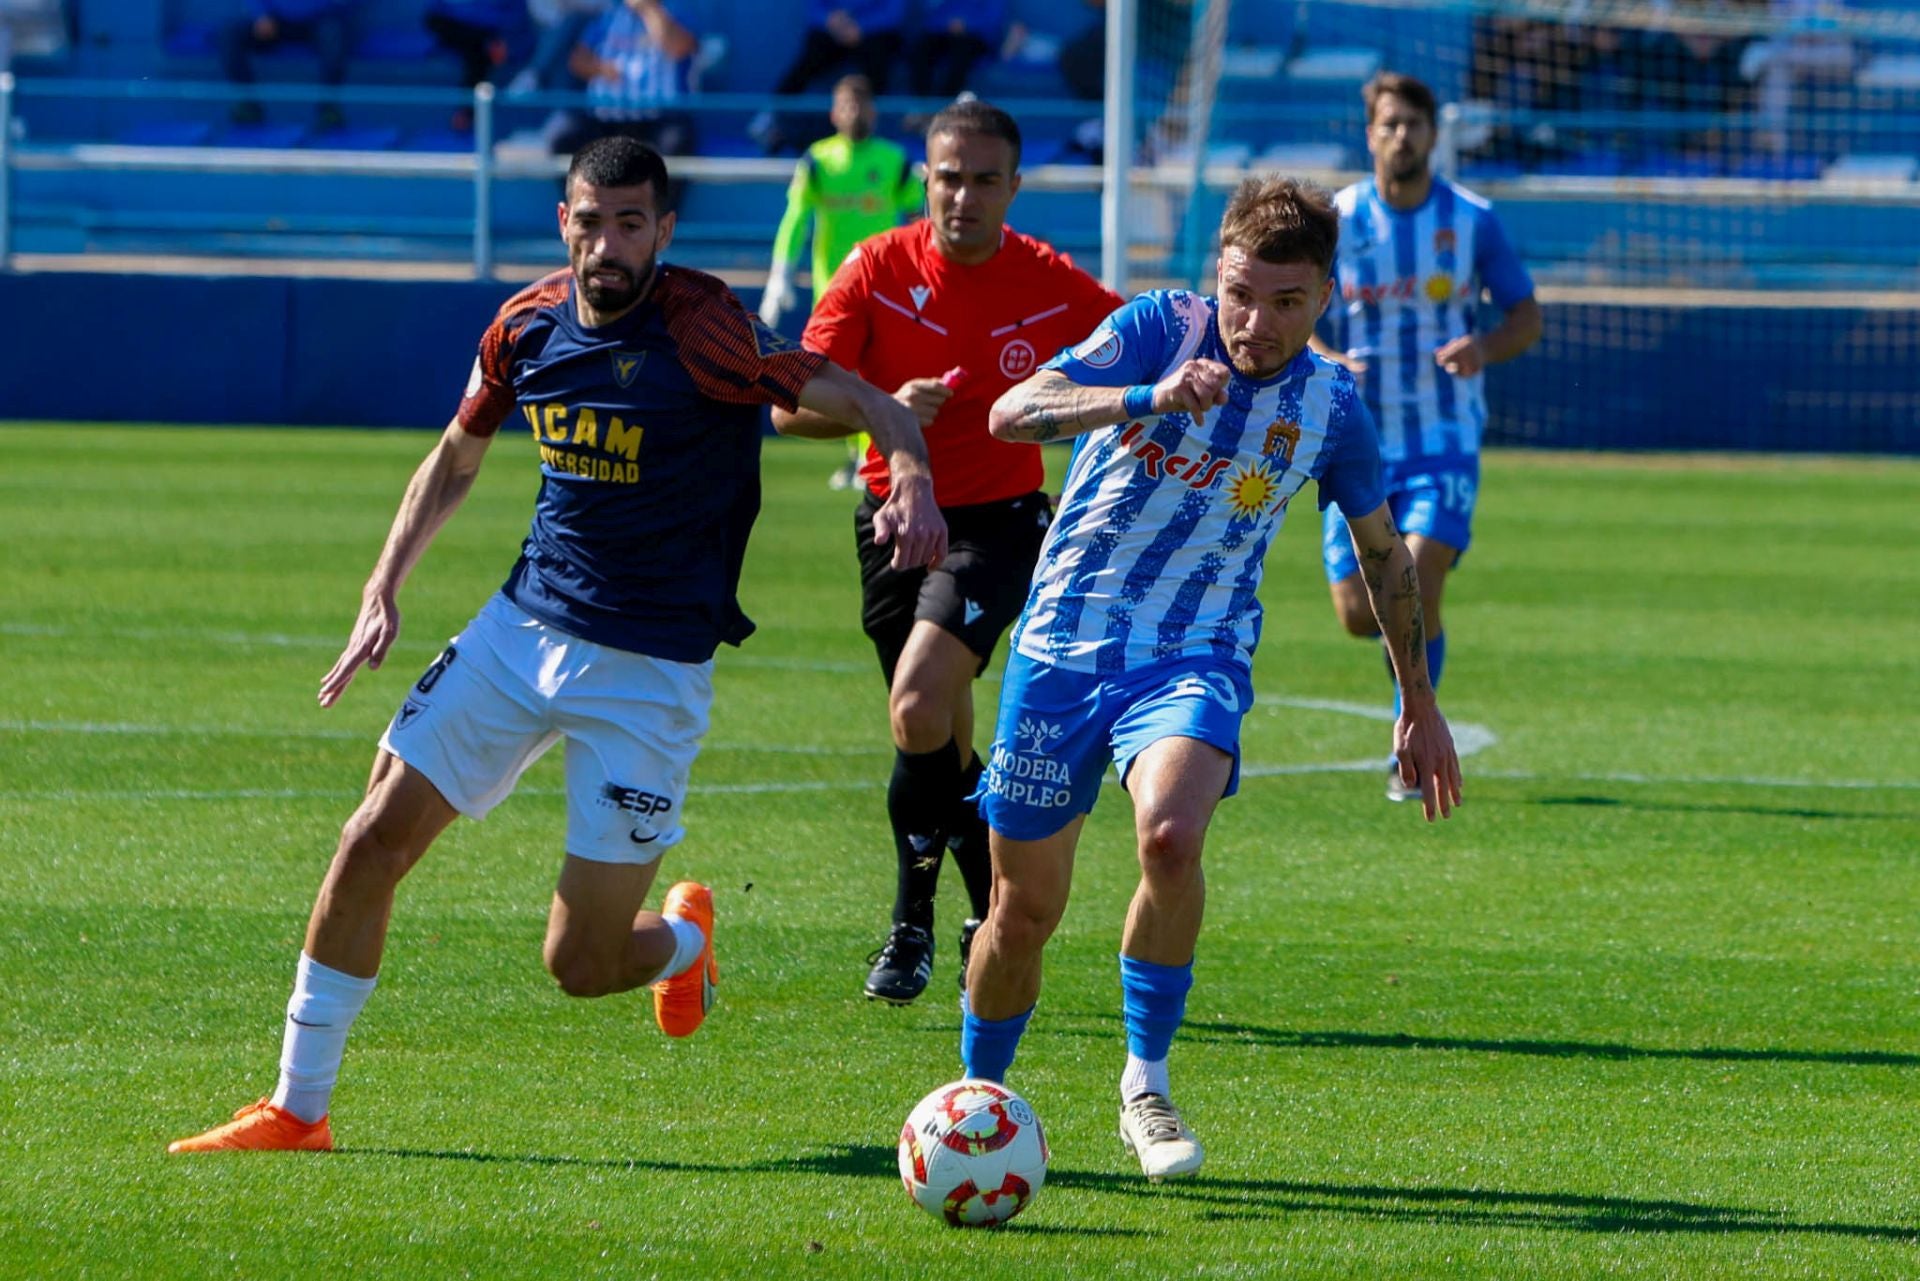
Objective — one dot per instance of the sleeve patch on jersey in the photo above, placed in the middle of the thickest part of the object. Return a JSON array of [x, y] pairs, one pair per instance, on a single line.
[[475, 379], [1099, 350], [770, 342]]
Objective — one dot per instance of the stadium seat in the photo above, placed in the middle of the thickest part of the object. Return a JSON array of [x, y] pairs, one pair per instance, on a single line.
[[1890, 71], [1872, 168], [167, 133], [263, 135], [1341, 65]]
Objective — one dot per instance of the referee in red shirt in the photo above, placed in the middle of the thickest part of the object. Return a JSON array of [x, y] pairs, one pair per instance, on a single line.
[[952, 311]]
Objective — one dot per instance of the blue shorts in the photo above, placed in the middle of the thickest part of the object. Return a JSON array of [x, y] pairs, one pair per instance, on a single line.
[[1059, 729], [1432, 497]]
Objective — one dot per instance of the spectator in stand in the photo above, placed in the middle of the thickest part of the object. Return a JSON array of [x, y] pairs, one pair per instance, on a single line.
[[477, 31], [955, 35], [561, 25], [1679, 68], [635, 63], [323, 24], [1806, 47], [858, 35]]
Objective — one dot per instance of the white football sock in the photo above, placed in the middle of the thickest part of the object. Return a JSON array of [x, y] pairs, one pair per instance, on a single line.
[[688, 944], [324, 1005], [1142, 1077]]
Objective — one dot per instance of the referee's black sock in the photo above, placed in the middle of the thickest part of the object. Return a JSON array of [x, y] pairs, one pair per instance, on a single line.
[[967, 838], [919, 801]]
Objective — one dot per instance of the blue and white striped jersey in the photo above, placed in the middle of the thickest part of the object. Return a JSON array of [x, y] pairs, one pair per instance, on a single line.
[[1163, 526], [1409, 283]]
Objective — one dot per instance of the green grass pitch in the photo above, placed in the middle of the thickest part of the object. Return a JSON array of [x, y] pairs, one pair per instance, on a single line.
[[1649, 1006]]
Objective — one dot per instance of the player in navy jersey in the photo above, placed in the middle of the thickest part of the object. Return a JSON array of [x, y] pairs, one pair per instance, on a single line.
[[642, 384], [1416, 253], [1199, 419]]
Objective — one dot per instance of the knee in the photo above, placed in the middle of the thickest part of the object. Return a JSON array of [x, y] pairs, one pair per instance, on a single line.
[[375, 849], [578, 971], [1023, 920], [921, 722], [1170, 850], [1357, 617]]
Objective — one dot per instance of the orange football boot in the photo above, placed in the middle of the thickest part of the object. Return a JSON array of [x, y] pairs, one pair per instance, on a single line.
[[680, 1003], [261, 1127]]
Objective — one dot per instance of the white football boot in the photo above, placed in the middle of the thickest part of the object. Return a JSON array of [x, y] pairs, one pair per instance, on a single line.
[[1151, 1128]]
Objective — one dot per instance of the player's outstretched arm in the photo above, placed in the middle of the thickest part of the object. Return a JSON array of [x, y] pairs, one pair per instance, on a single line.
[[1421, 740], [909, 519], [1051, 406], [438, 486]]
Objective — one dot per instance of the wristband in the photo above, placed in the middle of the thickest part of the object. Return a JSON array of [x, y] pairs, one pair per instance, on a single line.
[[1138, 401]]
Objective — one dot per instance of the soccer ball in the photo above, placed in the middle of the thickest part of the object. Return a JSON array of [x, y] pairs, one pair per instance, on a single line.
[[973, 1153]]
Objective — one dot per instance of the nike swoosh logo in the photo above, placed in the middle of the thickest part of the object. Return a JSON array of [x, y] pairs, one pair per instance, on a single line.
[[638, 839]]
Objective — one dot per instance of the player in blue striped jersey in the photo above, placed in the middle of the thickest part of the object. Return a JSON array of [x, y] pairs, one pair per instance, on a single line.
[[1198, 419], [1416, 254]]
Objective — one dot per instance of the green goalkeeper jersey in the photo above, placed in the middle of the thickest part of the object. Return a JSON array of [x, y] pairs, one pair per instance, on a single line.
[[844, 191]]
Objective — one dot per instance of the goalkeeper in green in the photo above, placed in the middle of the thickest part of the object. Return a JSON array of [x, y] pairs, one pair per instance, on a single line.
[[847, 186]]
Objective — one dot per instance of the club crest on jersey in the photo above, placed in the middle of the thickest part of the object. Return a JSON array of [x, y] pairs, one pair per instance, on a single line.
[[1017, 359], [1444, 241], [626, 366], [1099, 350], [770, 342], [1283, 436]]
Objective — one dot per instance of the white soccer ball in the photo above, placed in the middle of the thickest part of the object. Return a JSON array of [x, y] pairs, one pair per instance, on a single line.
[[973, 1153]]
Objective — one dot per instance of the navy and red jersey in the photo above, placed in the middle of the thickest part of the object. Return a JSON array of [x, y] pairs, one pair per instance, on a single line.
[[649, 435], [900, 309]]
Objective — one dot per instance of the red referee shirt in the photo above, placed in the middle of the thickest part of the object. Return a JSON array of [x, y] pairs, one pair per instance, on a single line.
[[899, 309]]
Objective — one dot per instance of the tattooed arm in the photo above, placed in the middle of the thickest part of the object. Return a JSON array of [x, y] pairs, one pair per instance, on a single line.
[[1421, 741], [1051, 406]]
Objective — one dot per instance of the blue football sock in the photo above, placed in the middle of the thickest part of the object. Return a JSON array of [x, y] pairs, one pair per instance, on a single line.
[[1153, 1001], [987, 1045]]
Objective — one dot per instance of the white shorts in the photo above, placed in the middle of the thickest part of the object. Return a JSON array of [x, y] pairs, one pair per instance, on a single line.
[[509, 686]]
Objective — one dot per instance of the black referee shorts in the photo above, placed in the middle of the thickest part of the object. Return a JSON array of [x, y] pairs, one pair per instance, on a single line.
[[977, 592]]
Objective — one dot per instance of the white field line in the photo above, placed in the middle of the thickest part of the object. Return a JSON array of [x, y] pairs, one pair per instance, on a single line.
[[136, 730], [1469, 738]]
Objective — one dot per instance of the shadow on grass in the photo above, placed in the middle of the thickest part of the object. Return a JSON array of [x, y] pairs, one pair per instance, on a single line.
[[1676, 807], [1294, 1039], [847, 1161], [1242, 1199], [1228, 1200], [860, 1161]]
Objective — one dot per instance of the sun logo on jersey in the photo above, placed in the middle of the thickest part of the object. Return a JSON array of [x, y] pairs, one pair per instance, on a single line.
[[1251, 490], [1439, 287]]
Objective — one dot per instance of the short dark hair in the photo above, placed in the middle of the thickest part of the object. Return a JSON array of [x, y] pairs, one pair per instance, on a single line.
[[1403, 87], [971, 115], [856, 84], [620, 161], [1282, 220]]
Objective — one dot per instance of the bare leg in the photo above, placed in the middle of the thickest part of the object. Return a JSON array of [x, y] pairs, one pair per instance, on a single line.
[[598, 940]]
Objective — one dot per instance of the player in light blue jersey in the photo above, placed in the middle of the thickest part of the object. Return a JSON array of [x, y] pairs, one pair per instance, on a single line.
[[1416, 253], [1198, 419]]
